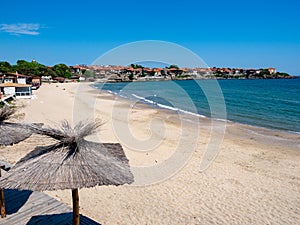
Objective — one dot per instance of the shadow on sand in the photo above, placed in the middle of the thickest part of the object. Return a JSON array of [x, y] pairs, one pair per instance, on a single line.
[[60, 219], [15, 199]]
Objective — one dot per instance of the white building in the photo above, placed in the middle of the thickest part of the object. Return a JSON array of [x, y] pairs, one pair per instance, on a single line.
[[19, 90]]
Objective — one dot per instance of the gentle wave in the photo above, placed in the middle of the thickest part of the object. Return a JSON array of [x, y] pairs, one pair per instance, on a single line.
[[167, 107]]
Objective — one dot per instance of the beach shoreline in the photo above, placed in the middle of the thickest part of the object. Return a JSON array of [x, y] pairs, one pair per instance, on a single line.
[[253, 180], [289, 137], [244, 102]]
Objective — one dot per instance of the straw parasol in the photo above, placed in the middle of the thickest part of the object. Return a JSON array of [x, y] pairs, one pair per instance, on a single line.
[[11, 133], [71, 163]]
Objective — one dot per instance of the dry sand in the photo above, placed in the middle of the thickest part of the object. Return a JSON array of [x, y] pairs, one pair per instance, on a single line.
[[255, 179]]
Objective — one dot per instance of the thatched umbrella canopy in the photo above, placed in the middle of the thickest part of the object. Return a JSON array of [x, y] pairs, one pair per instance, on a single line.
[[11, 133], [71, 163]]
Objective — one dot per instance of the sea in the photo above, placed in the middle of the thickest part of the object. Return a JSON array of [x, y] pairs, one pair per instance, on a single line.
[[268, 103]]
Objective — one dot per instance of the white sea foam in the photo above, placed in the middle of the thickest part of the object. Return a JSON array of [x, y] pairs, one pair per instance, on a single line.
[[167, 107]]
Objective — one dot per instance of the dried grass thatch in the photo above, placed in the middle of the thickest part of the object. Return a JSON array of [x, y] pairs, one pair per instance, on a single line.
[[12, 133], [71, 163], [65, 133], [6, 112]]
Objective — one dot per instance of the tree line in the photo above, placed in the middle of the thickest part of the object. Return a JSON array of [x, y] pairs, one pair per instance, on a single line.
[[34, 68]]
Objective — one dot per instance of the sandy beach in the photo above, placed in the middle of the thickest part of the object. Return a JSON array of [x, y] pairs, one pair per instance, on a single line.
[[255, 178]]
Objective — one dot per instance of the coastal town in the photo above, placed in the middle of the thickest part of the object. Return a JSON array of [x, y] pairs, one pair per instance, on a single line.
[[19, 80], [136, 72]]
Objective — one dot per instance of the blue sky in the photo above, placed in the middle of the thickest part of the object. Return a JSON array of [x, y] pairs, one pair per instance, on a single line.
[[249, 34]]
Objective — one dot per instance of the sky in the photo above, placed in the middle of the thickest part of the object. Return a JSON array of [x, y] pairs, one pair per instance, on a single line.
[[244, 34]]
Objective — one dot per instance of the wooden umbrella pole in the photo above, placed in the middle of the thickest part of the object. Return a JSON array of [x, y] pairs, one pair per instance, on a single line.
[[76, 216], [2, 202]]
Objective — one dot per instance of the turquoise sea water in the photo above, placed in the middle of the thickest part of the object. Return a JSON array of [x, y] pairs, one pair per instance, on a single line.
[[272, 104]]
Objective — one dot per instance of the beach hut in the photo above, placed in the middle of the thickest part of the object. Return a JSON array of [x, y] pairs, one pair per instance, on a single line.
[[71, 163], [16, 84], [36, 82], [19, 90]]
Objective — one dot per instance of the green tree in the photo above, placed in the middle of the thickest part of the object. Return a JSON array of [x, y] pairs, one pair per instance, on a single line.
[[280, 74], [130, 76], [173, 66], [31, 68], [5, 67], [136, 66], [264, 72], [152, 73], [49, 72], [218, 73], [23, 67], [62, 70]]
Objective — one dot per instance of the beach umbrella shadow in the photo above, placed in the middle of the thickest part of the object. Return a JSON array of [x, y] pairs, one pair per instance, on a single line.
[[71, 163], [16, 199], [58, 219]]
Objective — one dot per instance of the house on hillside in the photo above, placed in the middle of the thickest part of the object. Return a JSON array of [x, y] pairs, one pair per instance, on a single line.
[[271, 70], [75, 69]]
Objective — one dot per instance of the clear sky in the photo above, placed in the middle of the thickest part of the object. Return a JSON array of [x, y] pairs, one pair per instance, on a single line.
[[248, 34]]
